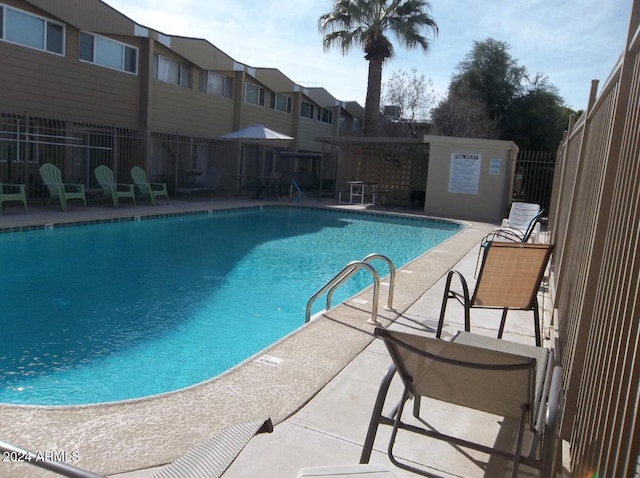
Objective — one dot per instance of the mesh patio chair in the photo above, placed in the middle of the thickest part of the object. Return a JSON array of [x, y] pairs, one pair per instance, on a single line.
[[515, 381], [510, 277], [210, 459]]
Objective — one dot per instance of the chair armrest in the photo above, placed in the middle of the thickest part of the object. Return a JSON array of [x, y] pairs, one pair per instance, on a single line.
[[19, 187], [463, 298], [505, 234], [75, 188]]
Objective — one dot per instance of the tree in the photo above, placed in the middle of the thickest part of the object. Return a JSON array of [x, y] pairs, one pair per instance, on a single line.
[[413, 94], [491, 75], [366, 24], [464, 117], [536, 119], [492, 96], [414, 97]]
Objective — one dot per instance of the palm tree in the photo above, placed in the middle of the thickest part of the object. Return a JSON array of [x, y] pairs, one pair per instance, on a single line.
[[365, 23]]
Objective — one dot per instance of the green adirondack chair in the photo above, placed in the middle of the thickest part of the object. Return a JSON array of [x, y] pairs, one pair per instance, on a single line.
[[58, 190], [111, 189], [13, 193], [152, 190]]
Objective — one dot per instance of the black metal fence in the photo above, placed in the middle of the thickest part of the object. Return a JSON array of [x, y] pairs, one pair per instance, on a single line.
[[533, 181], [77, 148]]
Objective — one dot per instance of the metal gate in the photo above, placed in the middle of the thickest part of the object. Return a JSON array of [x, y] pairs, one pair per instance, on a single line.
[[533, 181]]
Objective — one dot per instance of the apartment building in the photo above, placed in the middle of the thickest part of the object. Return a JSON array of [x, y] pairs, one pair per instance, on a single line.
[[84, 85]]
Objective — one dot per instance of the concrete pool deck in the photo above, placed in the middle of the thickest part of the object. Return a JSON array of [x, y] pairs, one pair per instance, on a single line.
[[319, 397]]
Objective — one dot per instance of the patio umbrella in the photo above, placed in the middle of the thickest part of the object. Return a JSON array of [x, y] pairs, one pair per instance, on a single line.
[[257, 132]]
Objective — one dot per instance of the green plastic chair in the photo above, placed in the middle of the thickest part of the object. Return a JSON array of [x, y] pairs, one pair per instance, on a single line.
[[52, 179], [113, 190], [13, 193], [152, 190]]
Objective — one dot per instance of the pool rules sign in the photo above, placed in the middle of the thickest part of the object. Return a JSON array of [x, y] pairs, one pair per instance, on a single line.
[[464, 173]]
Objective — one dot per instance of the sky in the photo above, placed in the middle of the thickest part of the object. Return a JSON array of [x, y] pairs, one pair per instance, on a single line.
[[570, 42]]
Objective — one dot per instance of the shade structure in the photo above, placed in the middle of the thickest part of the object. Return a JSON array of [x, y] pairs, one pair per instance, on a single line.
[[257, 132]]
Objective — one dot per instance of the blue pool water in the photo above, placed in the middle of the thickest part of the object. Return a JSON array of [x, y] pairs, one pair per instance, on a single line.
[[119, 311]]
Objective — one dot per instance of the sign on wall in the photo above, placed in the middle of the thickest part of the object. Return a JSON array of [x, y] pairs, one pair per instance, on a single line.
[[464, 173], [494, 166]]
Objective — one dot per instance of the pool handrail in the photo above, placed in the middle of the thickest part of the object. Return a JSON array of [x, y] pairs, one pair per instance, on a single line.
[[350, 269], [392, 275], [369, 258], [346, 272]]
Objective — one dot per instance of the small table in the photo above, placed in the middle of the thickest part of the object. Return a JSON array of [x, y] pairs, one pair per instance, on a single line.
[[359, 189]]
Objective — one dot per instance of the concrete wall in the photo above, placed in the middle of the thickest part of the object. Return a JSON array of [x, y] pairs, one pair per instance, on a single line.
[[469, 178]]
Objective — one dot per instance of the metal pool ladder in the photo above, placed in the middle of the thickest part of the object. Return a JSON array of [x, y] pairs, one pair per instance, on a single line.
[[350, 269]]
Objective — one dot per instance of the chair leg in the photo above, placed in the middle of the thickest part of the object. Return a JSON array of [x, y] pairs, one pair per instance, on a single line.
[[376, 416], [536, 322], [394, 433], [502, 322]]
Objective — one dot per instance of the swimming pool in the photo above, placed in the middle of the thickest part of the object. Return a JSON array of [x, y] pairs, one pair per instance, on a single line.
[[118, 311]]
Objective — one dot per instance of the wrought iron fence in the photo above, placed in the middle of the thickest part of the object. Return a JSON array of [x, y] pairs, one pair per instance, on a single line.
[[77, 148], [533, 180]]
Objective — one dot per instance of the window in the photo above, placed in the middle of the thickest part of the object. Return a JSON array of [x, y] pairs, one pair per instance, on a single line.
[[281, 102], [254, 94], [216, 84], [31, 31], [307, 110], [171, 71], [326, 115], [108, 53]]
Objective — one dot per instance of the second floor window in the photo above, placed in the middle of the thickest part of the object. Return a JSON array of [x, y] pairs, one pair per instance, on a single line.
[[26, 29], [307, 110], [174, 72], [281, 102], [254, 94], [326, 115], [216, 84], [108, 53]]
